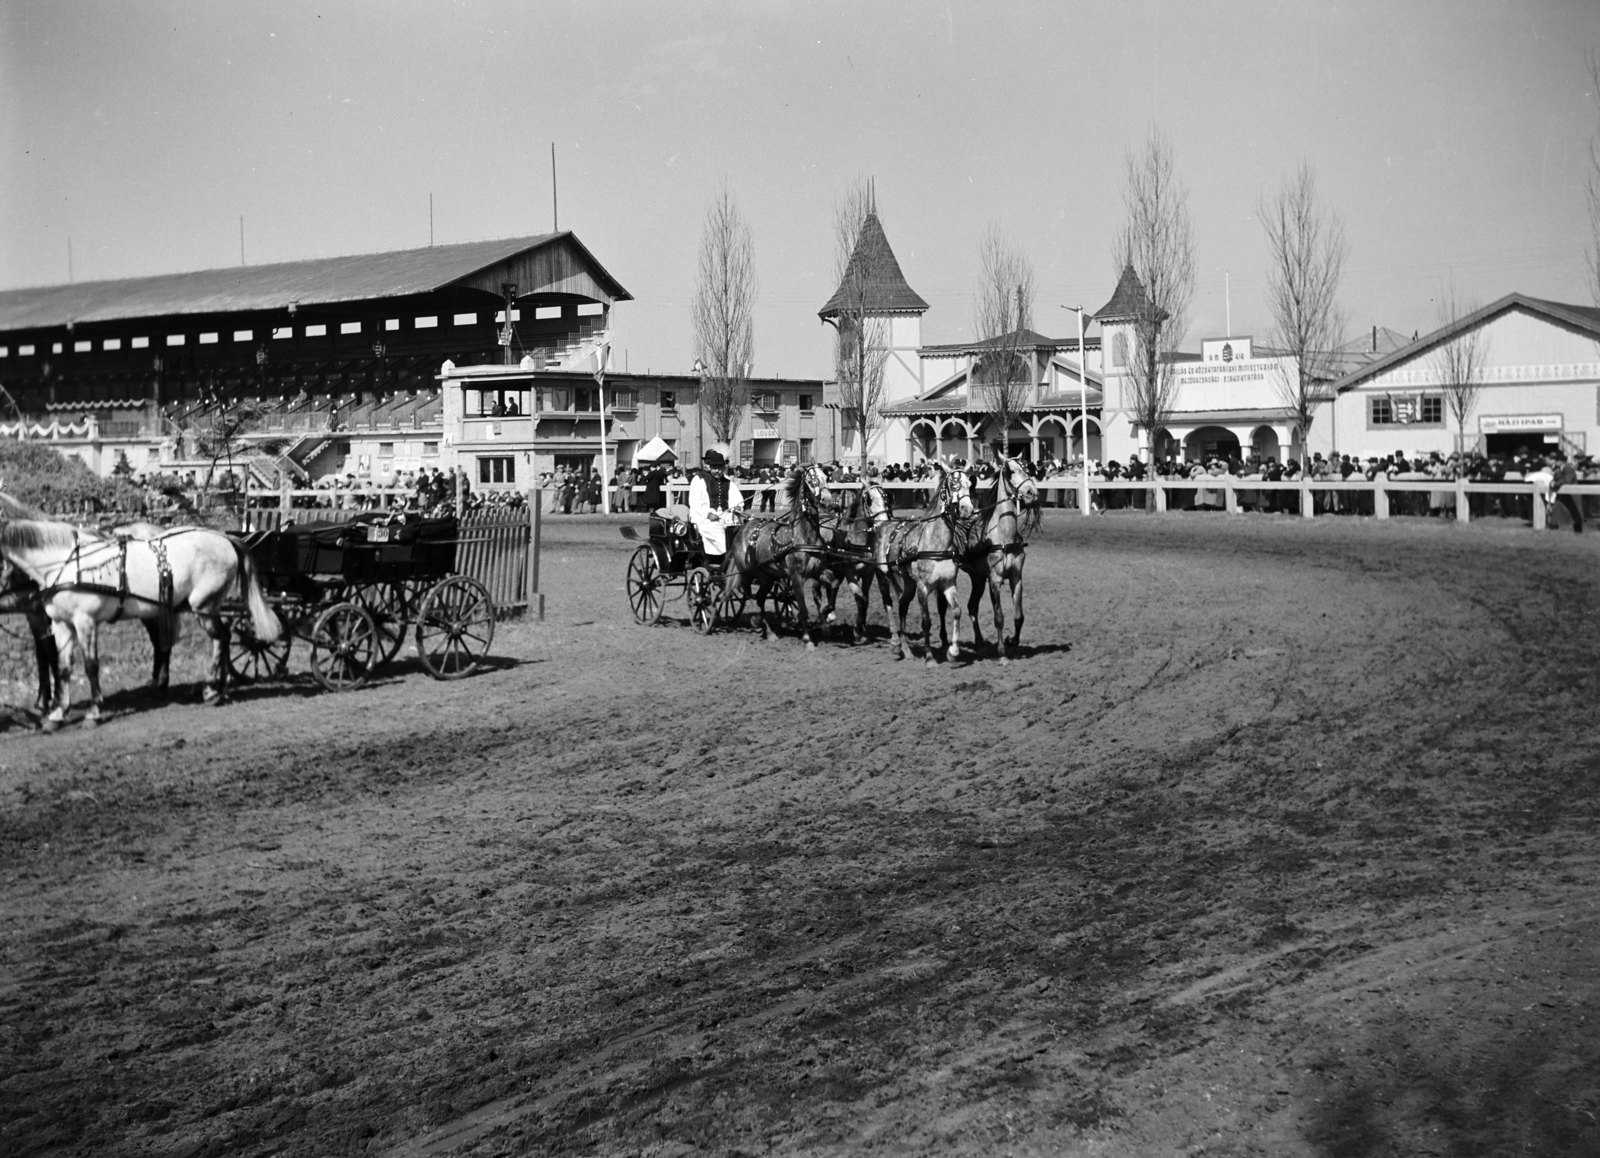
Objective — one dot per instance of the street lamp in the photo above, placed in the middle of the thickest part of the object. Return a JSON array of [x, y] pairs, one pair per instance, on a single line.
[[1083, 415]]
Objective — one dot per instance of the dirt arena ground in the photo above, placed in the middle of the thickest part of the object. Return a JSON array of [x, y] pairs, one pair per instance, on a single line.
[[1278, 839]]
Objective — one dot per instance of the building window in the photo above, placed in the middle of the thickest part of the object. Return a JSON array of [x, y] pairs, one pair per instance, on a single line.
[[243, 335], [427, 323], [316, 331], [669, 399], [174, 339], [385, 458], [807, 403], [466, 319], [283, 331], [349, 327], [500, 316], [747, 450], [391, 323], [1432, 409], [430, 450], [342, 448], [807, 450], [24, 351], [208, 339], [586, 398], [5, 351], [140, 343], [765, 401], [111, 344], [543, 312], [554, 398], [82, 347], [590, 309], [55, 347], [1382, 412], [499, 468], [1119, 350], [624, 400]]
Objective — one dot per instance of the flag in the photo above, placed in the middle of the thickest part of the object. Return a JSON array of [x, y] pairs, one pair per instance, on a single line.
[[602, 355]]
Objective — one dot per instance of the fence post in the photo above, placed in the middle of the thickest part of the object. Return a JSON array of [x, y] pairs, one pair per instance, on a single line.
[[1230, 497], [1463, 514], [1160, 492], [1308, 499], [1380, 498], [461, 494], [535, 596], [1538, 506]]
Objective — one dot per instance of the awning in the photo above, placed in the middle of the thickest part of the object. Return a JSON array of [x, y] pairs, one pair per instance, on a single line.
[[655, 450]]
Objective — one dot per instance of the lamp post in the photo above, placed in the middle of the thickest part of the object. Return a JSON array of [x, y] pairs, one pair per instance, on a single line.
[[1083, 416]]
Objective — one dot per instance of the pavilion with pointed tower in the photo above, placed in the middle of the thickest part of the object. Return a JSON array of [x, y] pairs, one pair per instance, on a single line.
[[873, 287]]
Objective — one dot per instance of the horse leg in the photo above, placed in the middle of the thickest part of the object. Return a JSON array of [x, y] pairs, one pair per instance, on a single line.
[[797, 588], [88, 633], [954, 601], [1001, 641], [160, 632], [1015, 575], [903, 592], [63, 638], [973, 600], [927, 625], [48, 657], [217, 628]]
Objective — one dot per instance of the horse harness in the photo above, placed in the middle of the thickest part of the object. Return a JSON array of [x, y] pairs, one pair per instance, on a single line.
[[119, 591]]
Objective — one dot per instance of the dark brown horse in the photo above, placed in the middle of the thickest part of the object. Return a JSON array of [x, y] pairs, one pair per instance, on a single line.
[[792, 549], [921, 556], [856, 561], [1001, 551]]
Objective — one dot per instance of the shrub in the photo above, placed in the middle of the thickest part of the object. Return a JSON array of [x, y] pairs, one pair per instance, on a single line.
[[41, 476]]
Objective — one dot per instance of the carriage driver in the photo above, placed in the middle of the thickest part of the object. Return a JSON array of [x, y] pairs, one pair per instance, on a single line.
[[713, 497]]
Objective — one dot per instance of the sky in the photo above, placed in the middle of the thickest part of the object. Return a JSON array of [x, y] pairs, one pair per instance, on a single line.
[[1451, 137]]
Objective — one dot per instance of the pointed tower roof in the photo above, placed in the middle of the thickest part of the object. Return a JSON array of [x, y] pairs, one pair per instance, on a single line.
[[874, 262], [1128, 301]]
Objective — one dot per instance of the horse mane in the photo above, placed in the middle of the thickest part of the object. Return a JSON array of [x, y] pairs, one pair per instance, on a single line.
[[791, 488], [35, 534], [14, 508]]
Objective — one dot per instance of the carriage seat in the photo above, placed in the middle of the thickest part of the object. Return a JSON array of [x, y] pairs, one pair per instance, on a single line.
[[677, 513]]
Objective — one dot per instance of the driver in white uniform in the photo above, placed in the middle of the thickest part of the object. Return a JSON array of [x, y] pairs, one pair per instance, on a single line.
[[713, 498]]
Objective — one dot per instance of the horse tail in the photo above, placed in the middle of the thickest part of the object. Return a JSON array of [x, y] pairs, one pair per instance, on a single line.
[[263, 619]]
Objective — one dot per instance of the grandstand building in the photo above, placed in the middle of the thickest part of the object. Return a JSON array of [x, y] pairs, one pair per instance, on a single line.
[[368, 366]]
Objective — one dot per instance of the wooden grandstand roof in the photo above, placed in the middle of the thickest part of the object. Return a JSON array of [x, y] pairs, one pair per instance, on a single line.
[[556, 263]]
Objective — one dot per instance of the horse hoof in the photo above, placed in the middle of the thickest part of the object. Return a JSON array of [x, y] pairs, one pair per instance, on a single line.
[[811, 645], [48, 726], [91, 721], [1003, 659]]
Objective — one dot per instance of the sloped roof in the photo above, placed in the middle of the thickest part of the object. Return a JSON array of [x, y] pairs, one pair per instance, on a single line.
[[875, 263], [317, 281], [1585, 319], [1023, 340], [1128, 300], [941, 397]]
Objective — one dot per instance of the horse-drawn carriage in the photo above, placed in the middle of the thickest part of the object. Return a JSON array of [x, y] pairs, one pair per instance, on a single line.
[[673, 559], [353, 590]]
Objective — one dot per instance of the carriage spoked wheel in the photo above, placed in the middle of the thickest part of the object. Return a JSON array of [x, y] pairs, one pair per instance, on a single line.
[[249, 659], [392, 607], [704, 600], [344, 647], [781, 600], [645, 583], [455, 626]]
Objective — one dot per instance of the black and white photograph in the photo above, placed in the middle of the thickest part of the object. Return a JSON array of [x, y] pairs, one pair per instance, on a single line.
[[905, 577]]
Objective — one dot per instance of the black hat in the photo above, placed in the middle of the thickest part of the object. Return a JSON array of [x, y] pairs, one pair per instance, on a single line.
[[714, 459]]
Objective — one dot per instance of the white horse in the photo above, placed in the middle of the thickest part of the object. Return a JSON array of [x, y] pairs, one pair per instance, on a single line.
[[86, 579]]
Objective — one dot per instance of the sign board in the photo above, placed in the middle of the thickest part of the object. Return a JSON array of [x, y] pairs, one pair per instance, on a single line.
[[764, 432], [1513, 423]]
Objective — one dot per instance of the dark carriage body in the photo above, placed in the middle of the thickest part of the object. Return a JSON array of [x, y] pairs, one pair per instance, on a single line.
[[355, 589]]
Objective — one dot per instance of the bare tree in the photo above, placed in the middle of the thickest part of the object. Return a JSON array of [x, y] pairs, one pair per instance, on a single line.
[[862, 351], [1461, 360], [1158, 243], [1002, 315], [1306, 249], [724, 314], [224, 437]]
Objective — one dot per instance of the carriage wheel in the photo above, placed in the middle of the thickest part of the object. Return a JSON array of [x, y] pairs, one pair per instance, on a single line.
[[392, 606], [703, 598], [645, 585], [455, 627], [781, 600], [250, 660], [344, 647]]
